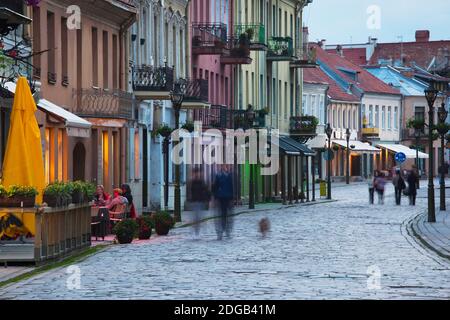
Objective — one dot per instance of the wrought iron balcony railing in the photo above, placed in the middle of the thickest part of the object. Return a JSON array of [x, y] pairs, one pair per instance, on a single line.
[[238, 52], [280, 49], [303, 126], [209, 39], [370, 132], [256, 33], [305, 57], [217, 116], [149, 78], [196, 90], [410, 134], [100, 103]]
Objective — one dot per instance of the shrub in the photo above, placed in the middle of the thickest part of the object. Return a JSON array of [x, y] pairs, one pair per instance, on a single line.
[[126, 230], [23, 191], [415, 124], [165, 218]]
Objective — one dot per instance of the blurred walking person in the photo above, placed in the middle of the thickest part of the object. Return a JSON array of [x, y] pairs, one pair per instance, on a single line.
[[126, 192], [380, 184], [413, 181], [399, 186], [372, 188], [223, 194], [198, 198]]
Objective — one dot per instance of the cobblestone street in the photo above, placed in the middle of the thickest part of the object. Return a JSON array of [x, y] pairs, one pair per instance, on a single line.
[[319, 251]]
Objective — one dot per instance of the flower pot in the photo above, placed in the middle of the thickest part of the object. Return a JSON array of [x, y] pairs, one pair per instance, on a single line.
[[162, 229], [124, 238], [51, 200], [145, 234], [77, 197], [17, 201]]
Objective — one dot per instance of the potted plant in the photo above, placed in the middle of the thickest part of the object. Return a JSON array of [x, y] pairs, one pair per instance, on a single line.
[[125, 231], [145, 223], [17, 196], [188, 126], [417, 124], [77, 191], [164, 131], [88, 191], [57, 194], [163, 223]]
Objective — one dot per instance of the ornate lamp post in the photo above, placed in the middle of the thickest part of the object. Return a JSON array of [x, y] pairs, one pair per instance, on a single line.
[[177, 97], [347, 137], [250, 117], [417, 136], [329, 132], [431, 95], [442, 129]]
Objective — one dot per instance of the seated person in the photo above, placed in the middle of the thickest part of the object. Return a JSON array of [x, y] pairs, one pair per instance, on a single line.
[[101, 197], [117, 199]]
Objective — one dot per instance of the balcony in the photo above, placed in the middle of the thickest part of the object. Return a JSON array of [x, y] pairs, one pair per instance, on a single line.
[[218, 117], [209, 39], [305, 58], [196, 93], [409, 134], [303, 128], [256, 34], [370, 133], [100, 103], [153, 83], [280, 49], [238, 52]]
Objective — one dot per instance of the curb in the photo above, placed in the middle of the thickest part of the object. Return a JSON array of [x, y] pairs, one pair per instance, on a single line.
[[427, 244]]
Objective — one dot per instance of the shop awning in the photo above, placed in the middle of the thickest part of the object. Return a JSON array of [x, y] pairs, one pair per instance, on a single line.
[[286, 148], [410, 153], [75, 126], [304, 150], [318, 142], [357, 146]]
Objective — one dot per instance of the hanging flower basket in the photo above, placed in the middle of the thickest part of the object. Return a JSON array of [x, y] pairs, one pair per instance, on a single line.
[[164, 131]]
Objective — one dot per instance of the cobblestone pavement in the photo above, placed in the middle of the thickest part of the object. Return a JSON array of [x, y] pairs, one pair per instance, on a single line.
[[330, 250]]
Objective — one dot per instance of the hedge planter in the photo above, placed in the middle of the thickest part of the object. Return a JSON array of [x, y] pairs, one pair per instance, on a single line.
[[162, 229], [124, 238], [145, 234], [18, 201], [51, 200], [77, 197]]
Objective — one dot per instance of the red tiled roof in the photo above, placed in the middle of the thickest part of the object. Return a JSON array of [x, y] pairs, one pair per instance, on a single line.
[[355, 55], [420, 53], [365, 80], [335, 92]]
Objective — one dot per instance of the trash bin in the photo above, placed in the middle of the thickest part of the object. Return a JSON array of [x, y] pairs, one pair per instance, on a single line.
[[323, 189]]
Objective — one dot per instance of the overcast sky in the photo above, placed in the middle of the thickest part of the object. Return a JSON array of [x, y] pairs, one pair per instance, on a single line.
[[347, 21]]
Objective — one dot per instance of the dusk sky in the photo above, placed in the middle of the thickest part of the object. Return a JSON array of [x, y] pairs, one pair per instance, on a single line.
[[345, 21]]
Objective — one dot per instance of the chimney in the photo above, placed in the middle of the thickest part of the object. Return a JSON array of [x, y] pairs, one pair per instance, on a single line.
[[339, 50], [422, 36]]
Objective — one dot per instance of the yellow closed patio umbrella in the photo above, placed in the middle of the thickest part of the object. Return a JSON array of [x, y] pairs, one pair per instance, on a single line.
[[23, 163]]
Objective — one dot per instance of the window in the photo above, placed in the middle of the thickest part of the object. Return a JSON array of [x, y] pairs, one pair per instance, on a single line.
[[383, 117], [370, 116], [313, 111], [291, 100], [304, 106], [105, 60], [377, 117], [115, 63], [395, 118], [354, 120], [322, 109], [344, 119], [64, 60], [136, 155], [363, 114], [37, 38], [334, 119], [274, 21], [94, 58], [389, 120], [339, 120], [51, 61], [274, 101], [419, 113], [349, 117]]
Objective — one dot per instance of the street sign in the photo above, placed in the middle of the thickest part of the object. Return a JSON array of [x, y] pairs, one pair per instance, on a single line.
[[328, 155], [400, 157]]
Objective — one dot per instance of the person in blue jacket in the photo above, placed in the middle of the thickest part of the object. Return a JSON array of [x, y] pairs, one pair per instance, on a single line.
[[223, 194]]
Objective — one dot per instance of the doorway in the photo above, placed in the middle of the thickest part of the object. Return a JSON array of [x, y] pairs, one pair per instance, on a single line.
[[79, 162]]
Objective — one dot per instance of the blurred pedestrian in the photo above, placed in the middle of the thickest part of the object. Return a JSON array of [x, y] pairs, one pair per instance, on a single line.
[[412, 186], [399, 186], [198, 198], [264, 226], [372, 188], [379, 184], [126, 192], [223, 194]]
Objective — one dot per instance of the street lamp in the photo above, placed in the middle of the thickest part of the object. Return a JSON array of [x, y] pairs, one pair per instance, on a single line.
[[177, 97], [442, 129], [347, 136], [329, 132], [431, 95], [417, 136]]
